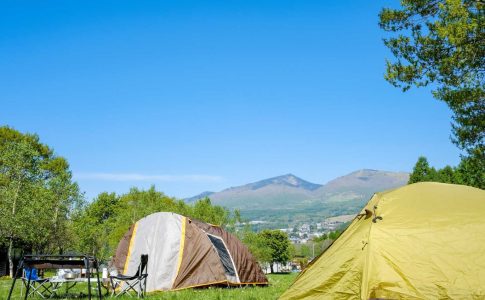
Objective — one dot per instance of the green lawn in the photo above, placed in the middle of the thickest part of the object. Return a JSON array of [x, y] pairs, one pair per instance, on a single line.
[[278, 284]]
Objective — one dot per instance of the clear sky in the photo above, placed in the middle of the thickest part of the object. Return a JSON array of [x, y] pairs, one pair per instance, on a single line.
[[203, 95]]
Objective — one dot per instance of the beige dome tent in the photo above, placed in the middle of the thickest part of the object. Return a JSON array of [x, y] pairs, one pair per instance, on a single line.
[[420, 241], [184, 253]]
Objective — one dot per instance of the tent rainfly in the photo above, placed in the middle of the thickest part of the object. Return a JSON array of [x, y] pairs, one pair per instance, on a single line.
[[421, 241], [185, 253]]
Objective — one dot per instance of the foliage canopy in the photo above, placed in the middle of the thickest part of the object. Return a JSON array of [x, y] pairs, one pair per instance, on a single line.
[[37, 194], [278, 244], [441, 43], [462, 174]]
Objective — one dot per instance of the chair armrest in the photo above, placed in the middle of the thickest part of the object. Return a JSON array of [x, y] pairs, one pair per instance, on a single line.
[[123, 277]]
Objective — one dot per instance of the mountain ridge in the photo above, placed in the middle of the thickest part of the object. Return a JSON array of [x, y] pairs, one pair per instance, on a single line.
[[285, 180], [198, 196], [286, 200], [289, 191]]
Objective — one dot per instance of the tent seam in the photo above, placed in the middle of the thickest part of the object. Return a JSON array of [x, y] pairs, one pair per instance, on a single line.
[[367, 256], [181, 250], [130, 248]]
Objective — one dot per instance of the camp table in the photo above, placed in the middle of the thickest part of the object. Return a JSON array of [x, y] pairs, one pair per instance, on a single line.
[[59, 262]]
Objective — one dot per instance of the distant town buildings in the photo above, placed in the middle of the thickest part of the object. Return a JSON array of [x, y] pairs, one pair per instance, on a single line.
[[303, 233]]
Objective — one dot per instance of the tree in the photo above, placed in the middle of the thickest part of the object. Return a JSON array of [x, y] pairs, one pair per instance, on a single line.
[[305, 250], [17, 184], [422, 171], [468, 173], [93, 225], [213, 214], [36, 194], [257, 244], [447, 175], [441, 43], [279, 246], [333, 235]]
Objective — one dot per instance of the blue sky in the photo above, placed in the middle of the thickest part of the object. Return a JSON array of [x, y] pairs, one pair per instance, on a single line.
[[203, 95]]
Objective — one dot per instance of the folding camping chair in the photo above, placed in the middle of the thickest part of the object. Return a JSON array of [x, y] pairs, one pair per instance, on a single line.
[[35, 285], [122, 284]]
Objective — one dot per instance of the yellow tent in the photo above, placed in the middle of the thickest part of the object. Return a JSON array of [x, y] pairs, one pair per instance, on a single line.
[[421, 241]]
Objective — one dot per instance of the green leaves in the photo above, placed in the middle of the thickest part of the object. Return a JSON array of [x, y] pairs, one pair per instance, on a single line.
[[422, 171], [257, 245], [468, 172], [21, 179], [268, 246], [36, 194], [442, 43], [278, 244]]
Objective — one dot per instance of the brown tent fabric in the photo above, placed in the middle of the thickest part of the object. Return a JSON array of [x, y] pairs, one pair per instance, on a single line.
[[247, 267], [185, 253], [119, 259], [199, 264]]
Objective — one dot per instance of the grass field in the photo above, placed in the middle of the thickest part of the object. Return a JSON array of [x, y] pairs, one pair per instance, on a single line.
[[278, 284]]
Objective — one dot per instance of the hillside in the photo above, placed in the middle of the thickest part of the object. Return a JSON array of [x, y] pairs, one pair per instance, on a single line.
[[286, 190], [359, 185], [287, 198], [199, 196]]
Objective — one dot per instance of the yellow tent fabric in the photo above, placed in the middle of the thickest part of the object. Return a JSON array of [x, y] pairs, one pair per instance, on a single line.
[[429, 243]]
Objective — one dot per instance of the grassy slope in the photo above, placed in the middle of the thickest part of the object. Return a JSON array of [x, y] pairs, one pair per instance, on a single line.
[[282, 218], [278, 284]]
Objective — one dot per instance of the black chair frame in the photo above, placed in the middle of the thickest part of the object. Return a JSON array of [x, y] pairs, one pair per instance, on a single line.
[[123, 284]]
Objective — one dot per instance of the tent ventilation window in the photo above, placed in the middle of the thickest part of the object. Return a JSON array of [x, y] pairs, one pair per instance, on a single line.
[[224, 255]]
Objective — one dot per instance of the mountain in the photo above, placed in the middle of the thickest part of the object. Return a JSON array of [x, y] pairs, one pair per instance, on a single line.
[[288, 180], [289, 197], [199, 196], [281, 190], [361, 184]]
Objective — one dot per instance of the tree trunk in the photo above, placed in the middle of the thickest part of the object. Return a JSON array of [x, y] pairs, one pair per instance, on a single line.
[[10, 257], [271, 267], [55, 237], [10, 241]]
